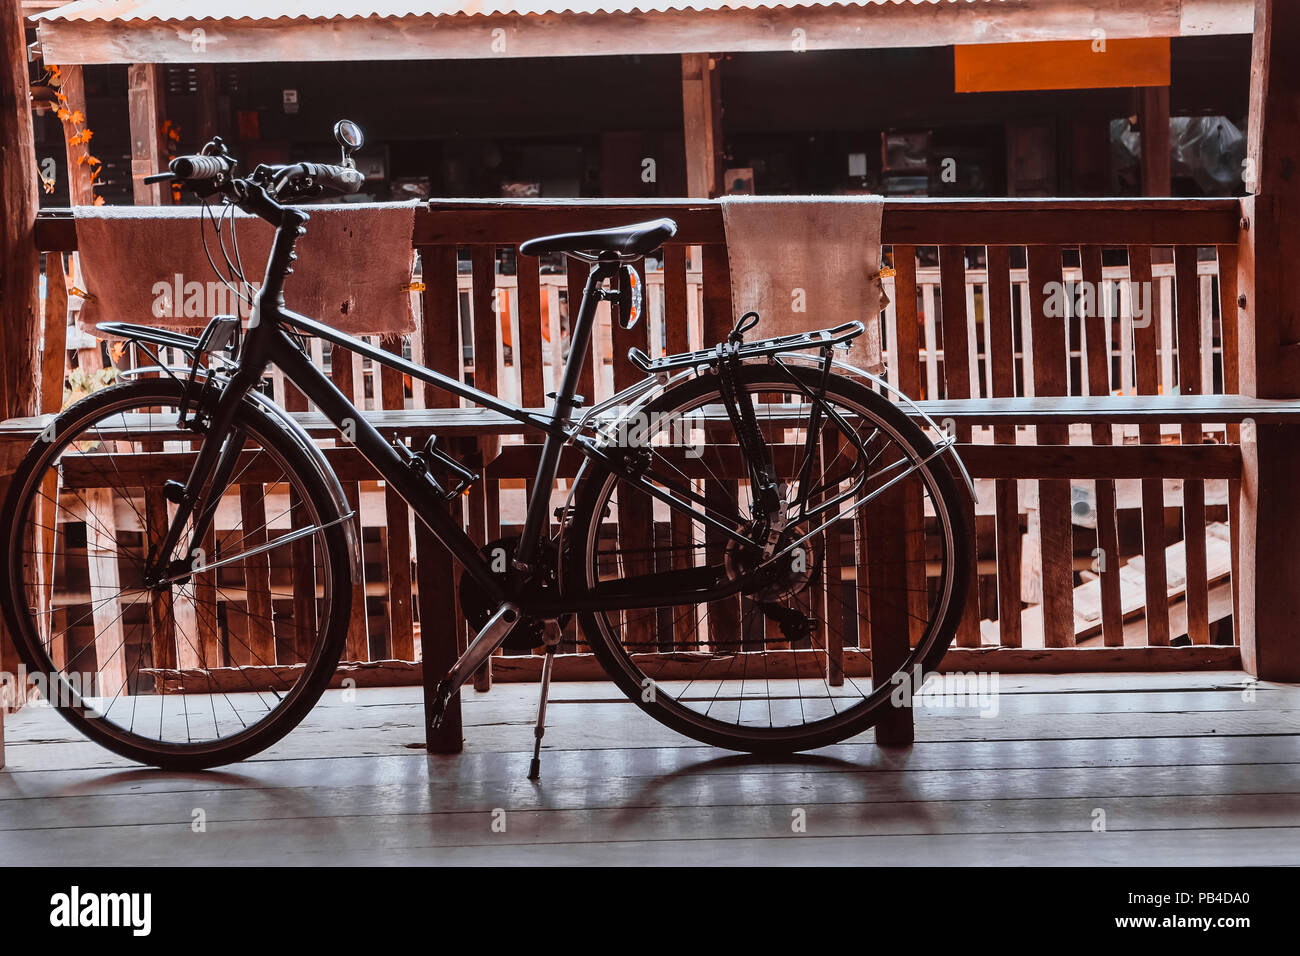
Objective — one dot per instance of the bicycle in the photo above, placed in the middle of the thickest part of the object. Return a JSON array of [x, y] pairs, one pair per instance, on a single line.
[[724, 566]]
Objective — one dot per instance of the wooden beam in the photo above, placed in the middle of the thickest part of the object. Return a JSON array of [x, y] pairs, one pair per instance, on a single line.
[[1010, 462], [420, 423], [1014, 222], [684, 666], [1269, 337], [1056, 531], [1090, 660], [1108, 223], [20, 318], [860, 26], [702, 124], [148, 147], [1048, 462]]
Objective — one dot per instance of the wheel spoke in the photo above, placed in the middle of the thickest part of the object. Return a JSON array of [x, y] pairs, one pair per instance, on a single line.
[[792, 662], [175, 672]]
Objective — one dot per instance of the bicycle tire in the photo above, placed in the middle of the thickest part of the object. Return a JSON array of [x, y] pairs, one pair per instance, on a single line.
[[623, 671], [327, 647]]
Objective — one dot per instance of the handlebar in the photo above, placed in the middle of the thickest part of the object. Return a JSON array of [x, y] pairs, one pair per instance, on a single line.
[[267, 192], [209, 173], [200, 167], [313, 178]]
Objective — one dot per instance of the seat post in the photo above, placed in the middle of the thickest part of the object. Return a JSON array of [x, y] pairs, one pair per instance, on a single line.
[[579, 345]]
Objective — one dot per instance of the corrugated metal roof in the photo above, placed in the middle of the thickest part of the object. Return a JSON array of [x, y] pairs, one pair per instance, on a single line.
[[193, 10]]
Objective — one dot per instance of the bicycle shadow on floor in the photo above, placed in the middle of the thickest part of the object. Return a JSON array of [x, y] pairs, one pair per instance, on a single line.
[[94, 786], [851, 797]]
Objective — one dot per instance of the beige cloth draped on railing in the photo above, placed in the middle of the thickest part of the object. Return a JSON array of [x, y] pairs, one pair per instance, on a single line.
[[146, 264], [806, 263]]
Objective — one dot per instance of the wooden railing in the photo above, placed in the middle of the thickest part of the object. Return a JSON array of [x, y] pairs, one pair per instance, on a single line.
[[1122, 543]]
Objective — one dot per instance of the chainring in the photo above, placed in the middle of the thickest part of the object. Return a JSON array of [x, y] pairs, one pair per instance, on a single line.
[[530, 633]]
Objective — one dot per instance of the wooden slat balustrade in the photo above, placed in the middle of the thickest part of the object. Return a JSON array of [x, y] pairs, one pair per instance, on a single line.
[[1104, 448]]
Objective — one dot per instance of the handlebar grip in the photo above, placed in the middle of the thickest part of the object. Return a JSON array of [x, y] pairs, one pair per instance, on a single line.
[[199, 167], [339, 179]]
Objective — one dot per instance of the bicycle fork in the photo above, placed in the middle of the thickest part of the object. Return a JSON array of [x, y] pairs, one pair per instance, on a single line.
[[213, 468]]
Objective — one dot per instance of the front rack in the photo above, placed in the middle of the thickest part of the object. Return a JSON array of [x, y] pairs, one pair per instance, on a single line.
[[147, 333], [220, 335], [820, 339]]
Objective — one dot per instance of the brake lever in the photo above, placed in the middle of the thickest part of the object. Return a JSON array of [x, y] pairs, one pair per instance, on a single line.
[[288, 186]]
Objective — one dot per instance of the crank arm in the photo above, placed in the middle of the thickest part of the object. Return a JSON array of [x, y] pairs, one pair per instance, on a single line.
[[492, 636]]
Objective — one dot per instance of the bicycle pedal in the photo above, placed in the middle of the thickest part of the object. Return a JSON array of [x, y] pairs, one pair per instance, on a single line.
[[434, 457]]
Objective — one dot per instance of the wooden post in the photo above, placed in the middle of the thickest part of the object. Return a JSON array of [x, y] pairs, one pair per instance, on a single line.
[[401, 634], [80, 190], [206, 111], [20, 319], [148, 147], [1269, 351], [702, 124], [1153, 120], [441, 623]]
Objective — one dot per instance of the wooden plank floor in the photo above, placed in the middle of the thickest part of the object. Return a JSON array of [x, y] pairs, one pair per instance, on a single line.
[[1184, 767]]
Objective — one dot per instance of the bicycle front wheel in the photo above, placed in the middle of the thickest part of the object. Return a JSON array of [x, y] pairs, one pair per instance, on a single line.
[[201, 665], [806, 653]]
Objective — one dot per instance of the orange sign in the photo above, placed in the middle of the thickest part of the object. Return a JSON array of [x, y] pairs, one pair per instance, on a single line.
[[1061, 65]]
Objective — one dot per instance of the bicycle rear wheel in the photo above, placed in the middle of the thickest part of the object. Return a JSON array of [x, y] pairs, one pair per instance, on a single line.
[[196, 669], [806, 655]]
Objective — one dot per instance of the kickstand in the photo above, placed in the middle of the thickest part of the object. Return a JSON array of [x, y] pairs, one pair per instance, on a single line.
[[548, 662]]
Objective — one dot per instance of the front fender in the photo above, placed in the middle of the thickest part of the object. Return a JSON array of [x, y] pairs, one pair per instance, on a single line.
[[298, 435]]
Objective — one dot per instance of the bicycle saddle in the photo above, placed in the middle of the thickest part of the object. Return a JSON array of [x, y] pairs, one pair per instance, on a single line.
[[635, 240]]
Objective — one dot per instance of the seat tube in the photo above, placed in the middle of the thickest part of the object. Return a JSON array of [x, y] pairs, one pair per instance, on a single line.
[[579, 345]]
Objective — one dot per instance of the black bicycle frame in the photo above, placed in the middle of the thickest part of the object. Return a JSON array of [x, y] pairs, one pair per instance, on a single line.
[[268, 343]]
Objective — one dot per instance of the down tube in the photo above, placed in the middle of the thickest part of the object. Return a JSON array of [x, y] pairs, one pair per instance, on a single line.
[[411, 485]]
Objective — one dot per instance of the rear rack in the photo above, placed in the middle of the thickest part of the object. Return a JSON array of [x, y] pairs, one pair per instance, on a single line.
[[821, 339]]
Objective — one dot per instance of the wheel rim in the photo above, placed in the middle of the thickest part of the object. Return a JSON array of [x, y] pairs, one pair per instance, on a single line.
[[195, 664], [770, 695]]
